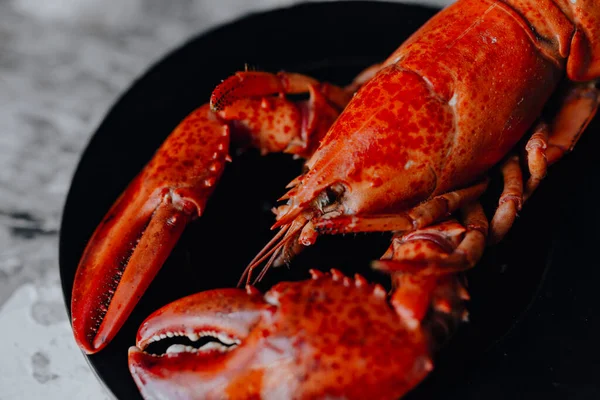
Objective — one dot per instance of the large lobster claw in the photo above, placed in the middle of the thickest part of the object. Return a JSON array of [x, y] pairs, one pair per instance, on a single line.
[[226, 316], [140, 230], [328, 337]]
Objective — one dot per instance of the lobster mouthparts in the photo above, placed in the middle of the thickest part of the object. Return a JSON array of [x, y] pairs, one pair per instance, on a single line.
[[331, 337]]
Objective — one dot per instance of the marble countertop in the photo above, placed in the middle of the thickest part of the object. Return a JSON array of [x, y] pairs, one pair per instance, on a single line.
[[62, 65]]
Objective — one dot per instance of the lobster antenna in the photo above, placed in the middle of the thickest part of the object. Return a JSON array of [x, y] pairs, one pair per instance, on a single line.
[[270, 253], [266, 267], [279, 234], [290, 233], [261, 255]]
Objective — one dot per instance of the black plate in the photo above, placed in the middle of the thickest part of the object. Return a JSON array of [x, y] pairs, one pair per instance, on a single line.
[[532, 327]]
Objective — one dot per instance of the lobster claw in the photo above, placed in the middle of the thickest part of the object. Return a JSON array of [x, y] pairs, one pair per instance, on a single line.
[[138, 233], [328, 337], [227, 316]]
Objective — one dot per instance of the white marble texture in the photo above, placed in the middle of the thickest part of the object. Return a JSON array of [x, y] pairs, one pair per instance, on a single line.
[[62, 65]]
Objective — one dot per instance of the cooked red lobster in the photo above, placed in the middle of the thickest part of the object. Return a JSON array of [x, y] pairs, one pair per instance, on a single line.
[[402, 149]]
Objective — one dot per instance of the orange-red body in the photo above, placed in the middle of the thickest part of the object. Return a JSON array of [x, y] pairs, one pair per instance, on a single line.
[[446, 106], [407, 144]]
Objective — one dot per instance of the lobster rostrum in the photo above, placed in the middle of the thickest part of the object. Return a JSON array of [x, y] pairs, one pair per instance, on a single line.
[[405, 146]]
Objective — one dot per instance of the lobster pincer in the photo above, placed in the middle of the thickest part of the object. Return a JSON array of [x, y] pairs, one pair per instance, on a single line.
[[138, 233], [328, 337]]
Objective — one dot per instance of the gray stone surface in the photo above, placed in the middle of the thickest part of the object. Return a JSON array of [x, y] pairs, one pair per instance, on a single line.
[[62, 64]]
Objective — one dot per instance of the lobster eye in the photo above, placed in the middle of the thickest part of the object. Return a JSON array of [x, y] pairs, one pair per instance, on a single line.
[[330, 196], [334, 192]]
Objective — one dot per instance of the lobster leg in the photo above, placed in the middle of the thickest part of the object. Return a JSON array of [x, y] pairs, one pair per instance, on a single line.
[[137, 235], [447, 247], [548, 144], [576, 112], [419, 261], [511, 199], [418, 217], [536, 158]]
